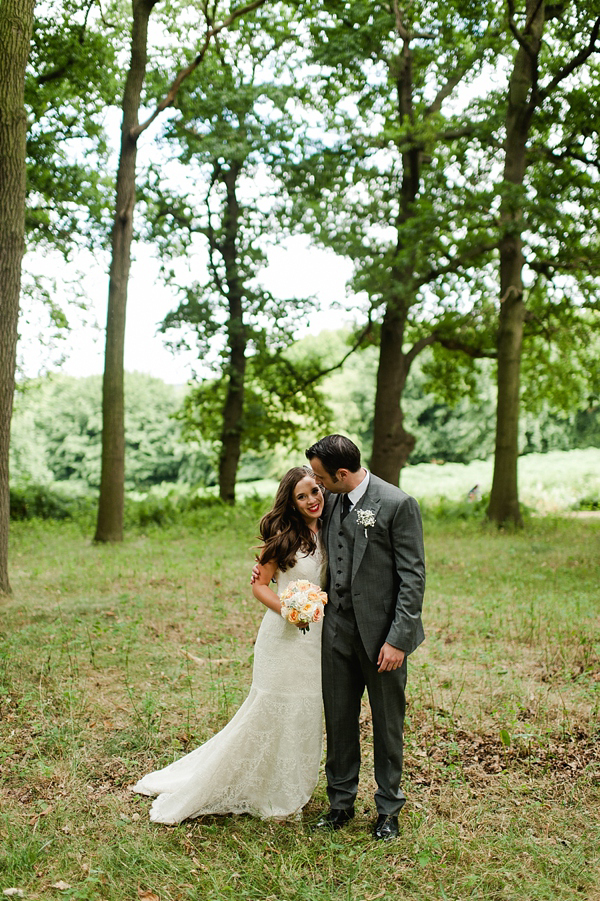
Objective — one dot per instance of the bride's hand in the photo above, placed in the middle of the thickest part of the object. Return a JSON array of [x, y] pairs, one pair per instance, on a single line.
[[255, 573]]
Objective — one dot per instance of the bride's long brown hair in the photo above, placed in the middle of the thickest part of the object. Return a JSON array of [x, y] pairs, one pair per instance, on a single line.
[[283, 530]]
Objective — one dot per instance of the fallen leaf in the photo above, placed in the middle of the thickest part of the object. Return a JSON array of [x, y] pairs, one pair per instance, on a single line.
[[191, 657], [14, 892], [61, 885], [147, 895]]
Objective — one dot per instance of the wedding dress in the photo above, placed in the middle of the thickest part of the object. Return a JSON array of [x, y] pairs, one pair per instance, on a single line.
[[266, 760]]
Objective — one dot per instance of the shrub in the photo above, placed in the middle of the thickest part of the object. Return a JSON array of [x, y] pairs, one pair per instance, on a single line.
[[31, 501]]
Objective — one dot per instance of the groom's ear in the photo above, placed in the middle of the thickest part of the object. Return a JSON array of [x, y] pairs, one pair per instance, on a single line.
[[342, 474]]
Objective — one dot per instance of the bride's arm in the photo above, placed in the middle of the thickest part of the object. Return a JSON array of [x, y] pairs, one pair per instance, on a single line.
[[260, 586]]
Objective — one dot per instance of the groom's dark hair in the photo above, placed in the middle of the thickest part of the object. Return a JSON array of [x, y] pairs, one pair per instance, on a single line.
[[335, 452]]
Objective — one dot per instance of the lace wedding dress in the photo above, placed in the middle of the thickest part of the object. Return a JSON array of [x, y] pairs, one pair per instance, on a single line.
[[266, 760]]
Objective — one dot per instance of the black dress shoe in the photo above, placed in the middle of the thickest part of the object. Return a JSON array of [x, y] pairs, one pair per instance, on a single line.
[[386, 827], [335, 818]]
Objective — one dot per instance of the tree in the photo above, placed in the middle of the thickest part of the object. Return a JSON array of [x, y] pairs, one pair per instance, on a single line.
[[109, 525], [568, 153], [392, 185], [16, 22], [235, 128], [112, 487]]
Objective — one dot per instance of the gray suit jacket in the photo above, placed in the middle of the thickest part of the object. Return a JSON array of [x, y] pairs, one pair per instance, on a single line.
[[388, 567]]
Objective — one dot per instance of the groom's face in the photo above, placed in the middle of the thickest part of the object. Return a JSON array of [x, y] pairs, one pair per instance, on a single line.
[[335, 483]]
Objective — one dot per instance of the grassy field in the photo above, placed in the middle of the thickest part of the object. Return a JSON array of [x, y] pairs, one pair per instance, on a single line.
[[115, 660]]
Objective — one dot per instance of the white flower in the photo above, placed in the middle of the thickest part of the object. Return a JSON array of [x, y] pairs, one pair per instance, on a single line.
[[302, 603], [366, 518]]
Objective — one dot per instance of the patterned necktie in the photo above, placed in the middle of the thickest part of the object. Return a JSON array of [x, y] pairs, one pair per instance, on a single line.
[[345, 506]]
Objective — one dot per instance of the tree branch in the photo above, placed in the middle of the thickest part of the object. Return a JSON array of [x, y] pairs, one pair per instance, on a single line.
[[419, 346], [558, 159], [399, 23], [211, 33], [534, 13], [446, 91], [514, 30], [321, 373], [58, 73], [477, 353], [577, 61], [578, 264], [455, 264]]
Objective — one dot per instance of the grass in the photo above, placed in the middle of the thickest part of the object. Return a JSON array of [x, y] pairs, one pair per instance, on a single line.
[[115, 660]]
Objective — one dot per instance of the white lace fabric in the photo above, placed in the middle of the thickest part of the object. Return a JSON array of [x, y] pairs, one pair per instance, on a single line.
[[266, 760]]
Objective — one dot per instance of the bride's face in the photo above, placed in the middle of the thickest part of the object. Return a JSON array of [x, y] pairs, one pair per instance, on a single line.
[[308, 500]]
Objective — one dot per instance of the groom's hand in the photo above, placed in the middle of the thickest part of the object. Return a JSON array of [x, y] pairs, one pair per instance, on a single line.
[[255, 573], [390, 658]]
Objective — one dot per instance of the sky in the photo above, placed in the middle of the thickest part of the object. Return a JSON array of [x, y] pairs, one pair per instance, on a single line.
[[295, 269]]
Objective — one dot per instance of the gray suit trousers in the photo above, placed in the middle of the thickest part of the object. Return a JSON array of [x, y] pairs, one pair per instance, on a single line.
[[347, 670]]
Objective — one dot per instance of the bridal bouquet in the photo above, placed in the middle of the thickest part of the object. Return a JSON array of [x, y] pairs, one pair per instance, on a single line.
[[302, 603]]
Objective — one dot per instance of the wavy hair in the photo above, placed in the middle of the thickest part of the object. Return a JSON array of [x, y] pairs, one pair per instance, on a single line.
[[283, 530]]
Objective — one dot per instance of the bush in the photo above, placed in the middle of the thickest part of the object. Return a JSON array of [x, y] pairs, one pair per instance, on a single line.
[[31, 501], [590, 502]]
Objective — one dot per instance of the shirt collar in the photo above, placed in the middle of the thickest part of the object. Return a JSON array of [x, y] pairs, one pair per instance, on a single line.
[[356, 493]]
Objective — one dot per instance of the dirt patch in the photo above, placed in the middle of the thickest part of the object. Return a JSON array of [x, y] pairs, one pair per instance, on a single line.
[[444, 753]]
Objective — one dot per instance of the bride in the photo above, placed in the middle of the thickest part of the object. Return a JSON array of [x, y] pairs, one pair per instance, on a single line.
[[266, 760]]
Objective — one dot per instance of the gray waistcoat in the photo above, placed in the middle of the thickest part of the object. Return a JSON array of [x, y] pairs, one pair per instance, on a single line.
[[340, 550]]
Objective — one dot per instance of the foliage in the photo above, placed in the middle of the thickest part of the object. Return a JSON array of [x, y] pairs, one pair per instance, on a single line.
[[449, 402], [29, 500], [281, 405], [73, 76], [73, 80], [214, 203], [57, 433], [404, 178], [172, 433]]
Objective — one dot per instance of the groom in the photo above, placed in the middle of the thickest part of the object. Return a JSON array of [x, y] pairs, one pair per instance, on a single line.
[[374, 540]]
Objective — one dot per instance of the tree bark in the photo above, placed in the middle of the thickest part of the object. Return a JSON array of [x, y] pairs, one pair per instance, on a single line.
[[392, 444], [16, 23], [504, 498], [109, 525], [233, 411]]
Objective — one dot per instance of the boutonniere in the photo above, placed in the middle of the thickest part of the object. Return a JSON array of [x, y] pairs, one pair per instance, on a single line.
[[366, 518]]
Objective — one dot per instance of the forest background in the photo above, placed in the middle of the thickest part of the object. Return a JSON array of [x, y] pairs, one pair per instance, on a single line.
[[446, 153]]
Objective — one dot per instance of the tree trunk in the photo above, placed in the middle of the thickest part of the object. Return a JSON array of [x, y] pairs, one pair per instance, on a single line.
[[16, 23], [392, 444], [112, 482], [504, 499], [233, 411]]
